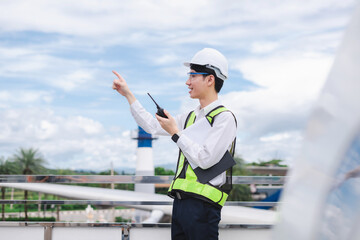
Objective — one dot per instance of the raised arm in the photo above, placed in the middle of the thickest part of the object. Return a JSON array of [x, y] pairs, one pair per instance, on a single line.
[[142, 117], [121, 86]]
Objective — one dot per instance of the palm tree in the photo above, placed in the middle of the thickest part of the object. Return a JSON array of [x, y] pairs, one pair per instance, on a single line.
[[6, 167], [3, 165], [29, 161], [2, 170]]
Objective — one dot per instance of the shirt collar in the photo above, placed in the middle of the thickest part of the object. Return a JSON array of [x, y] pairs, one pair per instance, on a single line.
[[208, 108]]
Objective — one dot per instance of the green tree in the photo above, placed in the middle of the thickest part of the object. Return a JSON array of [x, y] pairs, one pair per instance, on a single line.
[[240, 168], [29, 161], [273, 162], [107, 172], [162, 171], [240, 192], [2, 163], [8, 167]]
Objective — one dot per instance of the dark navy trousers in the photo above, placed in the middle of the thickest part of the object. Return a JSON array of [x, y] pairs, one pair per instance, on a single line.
[[194, 219]]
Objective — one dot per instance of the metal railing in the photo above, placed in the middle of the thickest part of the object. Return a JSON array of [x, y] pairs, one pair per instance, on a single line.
[[125, 179], [120, 203], [119, 179]]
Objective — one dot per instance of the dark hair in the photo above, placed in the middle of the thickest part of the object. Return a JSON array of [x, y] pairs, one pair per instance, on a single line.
[[200, 68]]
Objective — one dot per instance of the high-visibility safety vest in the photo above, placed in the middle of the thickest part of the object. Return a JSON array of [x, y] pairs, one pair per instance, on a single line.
[[186, 181]]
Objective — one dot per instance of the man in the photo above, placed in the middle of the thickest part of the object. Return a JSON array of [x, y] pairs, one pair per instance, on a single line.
[[205, 137]]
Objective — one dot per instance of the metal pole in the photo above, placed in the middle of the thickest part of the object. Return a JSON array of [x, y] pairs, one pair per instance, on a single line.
[[45, 210], [3, 205], [112, 174], [48, 232], [125, 233], [39, 205], [25, 205], [57, 211], [12, 197]]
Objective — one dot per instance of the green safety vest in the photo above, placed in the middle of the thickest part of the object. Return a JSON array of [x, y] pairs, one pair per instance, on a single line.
[[185, 179]]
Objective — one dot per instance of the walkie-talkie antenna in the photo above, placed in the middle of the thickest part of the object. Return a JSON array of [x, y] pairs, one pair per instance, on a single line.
[[154, 101], [160, 111]]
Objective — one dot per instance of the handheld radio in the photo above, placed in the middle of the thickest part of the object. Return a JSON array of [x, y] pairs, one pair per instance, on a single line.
[[160, 111]]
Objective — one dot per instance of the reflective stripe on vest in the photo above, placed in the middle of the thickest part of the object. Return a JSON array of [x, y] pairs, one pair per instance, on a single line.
[[189, 121], [189, 184]]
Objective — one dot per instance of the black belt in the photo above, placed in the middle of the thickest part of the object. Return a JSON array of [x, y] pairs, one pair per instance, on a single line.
[[180, 195]]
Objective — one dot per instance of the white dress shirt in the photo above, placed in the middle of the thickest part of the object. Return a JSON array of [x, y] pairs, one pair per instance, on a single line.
[[201, 144]]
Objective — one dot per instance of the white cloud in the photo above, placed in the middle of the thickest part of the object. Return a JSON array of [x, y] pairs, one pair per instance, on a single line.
[[263, 47], [89, 19], [21, 64], [130, 21], [272, 116], [276, 137], [34, 124], [75, 141], [288, 77], [22, 97], [15, 52], [253, 150], [164, 59], [40, 67], [286, 48], [73, 80]]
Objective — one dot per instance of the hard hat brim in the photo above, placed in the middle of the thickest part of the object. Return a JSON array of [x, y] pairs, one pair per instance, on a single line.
[[217, 71], [187, 64]]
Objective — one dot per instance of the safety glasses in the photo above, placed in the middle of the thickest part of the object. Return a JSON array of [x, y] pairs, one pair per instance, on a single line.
[[197, 73]]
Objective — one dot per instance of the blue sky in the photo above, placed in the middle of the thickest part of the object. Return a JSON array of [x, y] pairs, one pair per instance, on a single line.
[[56, 60]]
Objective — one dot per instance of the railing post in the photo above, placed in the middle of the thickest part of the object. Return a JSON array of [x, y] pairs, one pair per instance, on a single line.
[[48, 231], [3, 205], [25, 205], [125, 232]]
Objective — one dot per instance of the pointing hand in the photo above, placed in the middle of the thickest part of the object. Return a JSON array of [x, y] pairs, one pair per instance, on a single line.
[[121, 86]]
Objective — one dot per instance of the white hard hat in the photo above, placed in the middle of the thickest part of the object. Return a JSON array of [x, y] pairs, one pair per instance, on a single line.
[[212, 59]]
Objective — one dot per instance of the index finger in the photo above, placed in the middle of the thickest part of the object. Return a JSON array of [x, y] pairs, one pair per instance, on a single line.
[[118, 75]]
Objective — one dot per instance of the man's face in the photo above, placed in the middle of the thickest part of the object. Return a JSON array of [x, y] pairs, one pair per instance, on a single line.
[[197, 84]]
